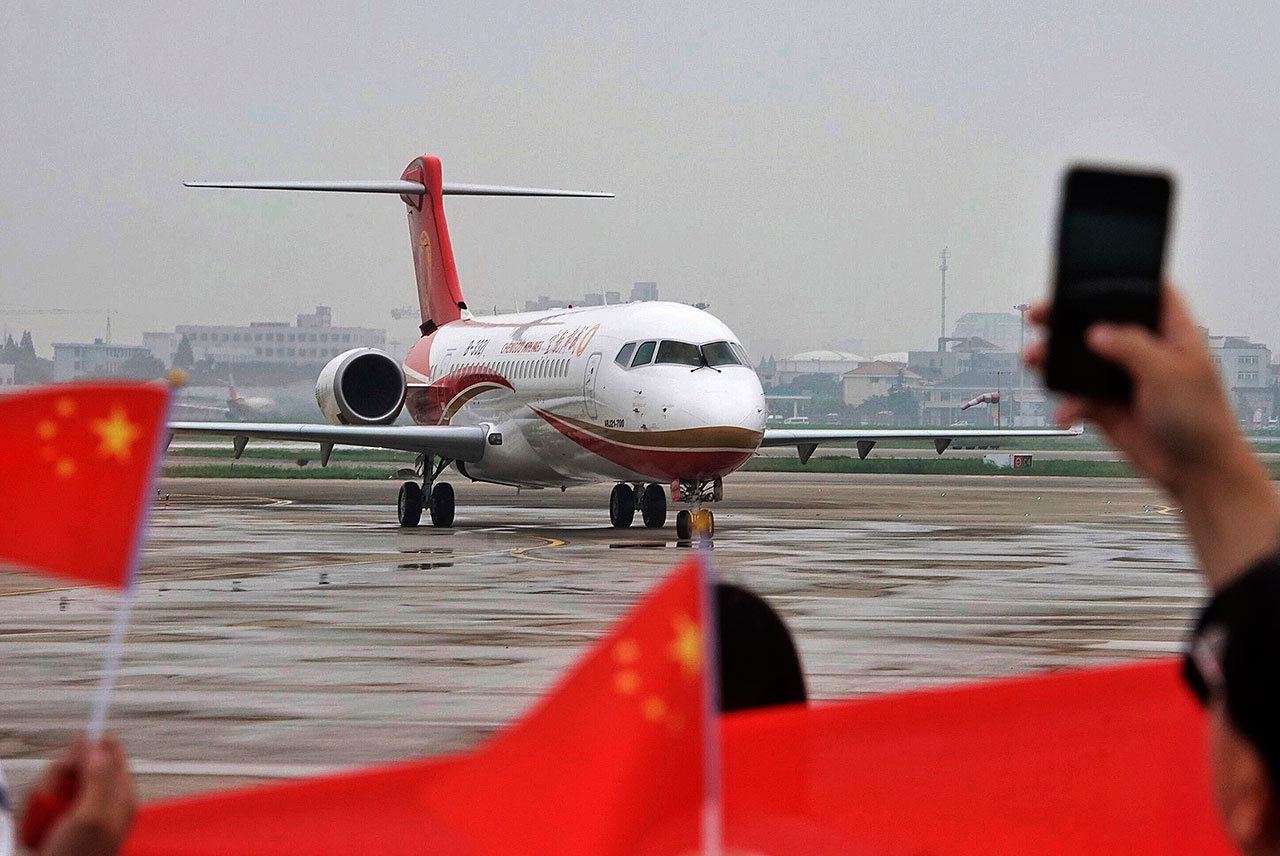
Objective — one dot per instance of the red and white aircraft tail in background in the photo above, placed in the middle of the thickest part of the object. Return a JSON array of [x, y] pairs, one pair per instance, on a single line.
[[648, 395]]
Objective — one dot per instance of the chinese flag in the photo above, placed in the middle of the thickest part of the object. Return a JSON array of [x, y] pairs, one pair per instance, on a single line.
[[1097, 761], [77, 463], [610, 762]]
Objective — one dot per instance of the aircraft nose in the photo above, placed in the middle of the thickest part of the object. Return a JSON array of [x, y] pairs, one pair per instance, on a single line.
[[731, 398]]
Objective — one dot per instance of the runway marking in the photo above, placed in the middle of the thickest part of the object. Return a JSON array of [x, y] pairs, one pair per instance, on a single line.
[[524, 552]]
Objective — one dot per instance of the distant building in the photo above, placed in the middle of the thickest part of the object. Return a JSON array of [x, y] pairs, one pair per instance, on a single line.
[[1000, 328], [75, 360], [877, 378], [819, 362], [543, 303], [313, 341], [1245, 368], [962, 355], [644, 291], [7, 376], [940, 404]]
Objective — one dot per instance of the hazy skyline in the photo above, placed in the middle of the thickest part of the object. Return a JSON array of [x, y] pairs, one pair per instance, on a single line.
[[797, 168]]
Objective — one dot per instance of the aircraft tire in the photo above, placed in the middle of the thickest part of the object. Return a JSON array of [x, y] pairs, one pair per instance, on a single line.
[[409, 504], [442, 505], [702, 523], [683, 525], [653, 506], [622, 506]]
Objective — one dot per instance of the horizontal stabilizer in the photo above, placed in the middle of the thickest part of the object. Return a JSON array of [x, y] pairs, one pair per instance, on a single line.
[[397, 186]]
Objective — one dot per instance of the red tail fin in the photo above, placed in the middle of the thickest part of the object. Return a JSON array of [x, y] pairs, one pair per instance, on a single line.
[[439, 294]]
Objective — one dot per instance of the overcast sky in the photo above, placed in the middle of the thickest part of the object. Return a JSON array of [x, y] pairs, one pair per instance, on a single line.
[[798, 166]]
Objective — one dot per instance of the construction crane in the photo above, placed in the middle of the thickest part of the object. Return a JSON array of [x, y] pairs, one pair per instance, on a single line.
[[13, 311]]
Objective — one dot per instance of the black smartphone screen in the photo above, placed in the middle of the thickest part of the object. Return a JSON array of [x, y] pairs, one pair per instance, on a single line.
[[1111, 246]]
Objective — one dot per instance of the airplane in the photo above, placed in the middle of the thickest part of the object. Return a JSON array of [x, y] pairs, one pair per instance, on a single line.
[[653, 396], [238, 408]]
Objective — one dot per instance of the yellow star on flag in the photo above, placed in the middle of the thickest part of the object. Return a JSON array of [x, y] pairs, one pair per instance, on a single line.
[[117, 433], [686, 647]]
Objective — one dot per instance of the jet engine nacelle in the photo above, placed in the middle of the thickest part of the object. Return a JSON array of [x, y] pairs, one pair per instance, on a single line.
[[363, 386]]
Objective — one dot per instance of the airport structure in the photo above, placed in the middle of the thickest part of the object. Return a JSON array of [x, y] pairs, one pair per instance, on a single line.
[[7, 374], [1245, 368], [640, 292], [75, 360], [1002, 329], [314, 340]]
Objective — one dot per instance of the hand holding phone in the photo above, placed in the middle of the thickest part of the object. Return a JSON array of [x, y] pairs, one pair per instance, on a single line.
[[1112, 234]]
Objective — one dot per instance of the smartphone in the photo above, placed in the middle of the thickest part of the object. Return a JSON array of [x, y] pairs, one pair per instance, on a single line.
[[1112, 233]]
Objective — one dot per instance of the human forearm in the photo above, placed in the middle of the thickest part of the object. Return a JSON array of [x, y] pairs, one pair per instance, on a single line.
[[1232, 514]]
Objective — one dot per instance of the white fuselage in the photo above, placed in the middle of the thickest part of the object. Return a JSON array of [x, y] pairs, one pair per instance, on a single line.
[[568, 411]]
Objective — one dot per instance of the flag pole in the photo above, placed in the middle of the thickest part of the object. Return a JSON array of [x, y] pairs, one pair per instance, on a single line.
[[712, 826], [100, 704]]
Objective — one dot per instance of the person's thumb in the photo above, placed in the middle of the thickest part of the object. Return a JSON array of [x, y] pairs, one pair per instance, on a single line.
[[99, 777], [1133, 348]]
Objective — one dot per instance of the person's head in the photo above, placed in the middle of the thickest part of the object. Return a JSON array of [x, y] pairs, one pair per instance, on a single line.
[[1234, 668], [759, 665]]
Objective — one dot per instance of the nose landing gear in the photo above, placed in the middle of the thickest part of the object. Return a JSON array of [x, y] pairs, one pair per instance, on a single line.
[[696, 522]]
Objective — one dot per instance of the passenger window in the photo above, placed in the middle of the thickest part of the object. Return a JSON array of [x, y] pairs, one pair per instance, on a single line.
[[679, 353], [624, 356], [644, 354]]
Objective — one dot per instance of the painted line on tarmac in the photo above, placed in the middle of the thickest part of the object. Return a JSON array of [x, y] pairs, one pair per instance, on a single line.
[[551, 543]]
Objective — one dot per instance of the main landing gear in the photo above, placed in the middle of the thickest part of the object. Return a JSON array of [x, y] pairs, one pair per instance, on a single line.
[[651, 499], [436, 497]]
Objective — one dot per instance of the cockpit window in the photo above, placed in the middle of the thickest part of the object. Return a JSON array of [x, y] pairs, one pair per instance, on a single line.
[[679, 353], [644, 354], [742, 353], [720, 354], [624, 356]]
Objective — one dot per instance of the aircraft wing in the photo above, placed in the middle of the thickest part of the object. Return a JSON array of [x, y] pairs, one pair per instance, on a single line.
[[458, 443], [807, 440]]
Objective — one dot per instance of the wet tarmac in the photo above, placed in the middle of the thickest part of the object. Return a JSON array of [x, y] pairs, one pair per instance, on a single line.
[[285, 627]]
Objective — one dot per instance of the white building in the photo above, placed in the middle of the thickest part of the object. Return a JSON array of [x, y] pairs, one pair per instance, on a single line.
[[1245, 368], [877, 378], [7, 378], [75, 360], [999, 328], [820, 362], [313, 341]]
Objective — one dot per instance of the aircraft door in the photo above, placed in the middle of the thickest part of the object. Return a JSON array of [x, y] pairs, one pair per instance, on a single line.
[[589, 385]]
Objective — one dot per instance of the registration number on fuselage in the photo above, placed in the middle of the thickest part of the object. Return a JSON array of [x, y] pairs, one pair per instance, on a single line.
[[615, 423]]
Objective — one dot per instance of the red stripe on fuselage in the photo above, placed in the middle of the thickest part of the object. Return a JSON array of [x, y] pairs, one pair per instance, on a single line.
[[655, 462]]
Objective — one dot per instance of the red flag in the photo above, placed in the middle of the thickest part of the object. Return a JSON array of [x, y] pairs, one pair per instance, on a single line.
[[608, 763], [1104, 761], [77, 462]]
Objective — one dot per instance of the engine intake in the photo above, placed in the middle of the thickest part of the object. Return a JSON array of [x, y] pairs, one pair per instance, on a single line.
[[363, 386]]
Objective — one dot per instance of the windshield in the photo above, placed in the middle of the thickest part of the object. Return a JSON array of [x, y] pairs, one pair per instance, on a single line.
[[644, 354], [679, 353], [720, 354]]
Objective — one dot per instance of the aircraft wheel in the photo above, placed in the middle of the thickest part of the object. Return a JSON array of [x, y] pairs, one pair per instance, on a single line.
[[409, 505], [622, 506], [683, 528], [702, 523], [653, 506], [442, 504]]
